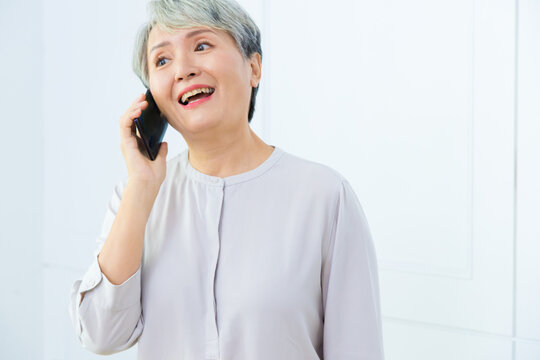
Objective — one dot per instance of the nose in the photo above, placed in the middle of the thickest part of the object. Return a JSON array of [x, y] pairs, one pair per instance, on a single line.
[[185, 67], [181, 76], [186, 64]]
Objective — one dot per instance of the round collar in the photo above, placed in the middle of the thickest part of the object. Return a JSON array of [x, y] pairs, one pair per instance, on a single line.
[[233, 179]]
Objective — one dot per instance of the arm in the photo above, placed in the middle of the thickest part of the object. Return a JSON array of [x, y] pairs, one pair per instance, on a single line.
[[105, 305], [121, 255], [352, 318]]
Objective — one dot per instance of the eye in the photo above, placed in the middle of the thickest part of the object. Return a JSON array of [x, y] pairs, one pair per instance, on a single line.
[[202, 43], [160, 61]]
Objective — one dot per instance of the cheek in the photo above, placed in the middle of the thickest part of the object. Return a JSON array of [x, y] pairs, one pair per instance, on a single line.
[[234, 73], [160, 90], [160, 85], [158, 80]]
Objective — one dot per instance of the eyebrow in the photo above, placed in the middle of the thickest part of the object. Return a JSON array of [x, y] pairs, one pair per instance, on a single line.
[[189, 35]]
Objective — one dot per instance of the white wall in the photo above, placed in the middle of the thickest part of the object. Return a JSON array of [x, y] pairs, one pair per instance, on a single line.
[[87, 82], [21, 181], [430, 109], [527, 310]]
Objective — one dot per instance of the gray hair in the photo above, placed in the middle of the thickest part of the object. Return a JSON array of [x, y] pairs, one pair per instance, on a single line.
[[226, 15]]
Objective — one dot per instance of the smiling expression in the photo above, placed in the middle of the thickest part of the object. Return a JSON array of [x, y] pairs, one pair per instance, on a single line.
[[204, 57]]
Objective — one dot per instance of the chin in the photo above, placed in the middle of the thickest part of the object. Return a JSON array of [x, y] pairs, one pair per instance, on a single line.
[[197, 124]]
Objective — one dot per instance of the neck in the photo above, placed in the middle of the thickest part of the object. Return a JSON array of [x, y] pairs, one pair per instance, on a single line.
[[229, 156]]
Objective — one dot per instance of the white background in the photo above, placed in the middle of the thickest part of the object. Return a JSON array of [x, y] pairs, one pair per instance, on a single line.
[[430, 108]]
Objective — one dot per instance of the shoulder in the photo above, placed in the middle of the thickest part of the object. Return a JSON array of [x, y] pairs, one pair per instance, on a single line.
[[311, 175], [308, 168]]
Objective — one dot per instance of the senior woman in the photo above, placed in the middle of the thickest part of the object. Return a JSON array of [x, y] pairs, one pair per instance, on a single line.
[[233, 249]]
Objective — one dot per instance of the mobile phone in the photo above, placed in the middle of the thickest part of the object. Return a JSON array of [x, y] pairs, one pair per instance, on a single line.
[[151, 125]]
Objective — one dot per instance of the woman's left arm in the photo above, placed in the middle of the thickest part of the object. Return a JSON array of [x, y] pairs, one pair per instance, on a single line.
[[350, 286]]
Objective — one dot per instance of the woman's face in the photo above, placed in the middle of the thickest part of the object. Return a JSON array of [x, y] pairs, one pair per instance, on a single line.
[[200, 56]]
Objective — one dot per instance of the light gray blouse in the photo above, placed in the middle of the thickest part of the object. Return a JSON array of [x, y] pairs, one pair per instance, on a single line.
[[274, 263]]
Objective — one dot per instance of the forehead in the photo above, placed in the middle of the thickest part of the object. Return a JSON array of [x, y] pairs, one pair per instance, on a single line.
[[157, 34]]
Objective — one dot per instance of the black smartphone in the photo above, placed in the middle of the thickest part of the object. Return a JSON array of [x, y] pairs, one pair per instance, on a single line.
[[151, 126]]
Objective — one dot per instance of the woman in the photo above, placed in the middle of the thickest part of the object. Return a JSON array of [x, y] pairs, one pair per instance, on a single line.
[[234, 249]]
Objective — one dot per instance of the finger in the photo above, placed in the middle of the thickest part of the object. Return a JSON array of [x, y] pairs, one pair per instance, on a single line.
[[127, 119], [135, 104], [128, 114], [163, 150], [136, 110], [127, 126], [143, 104], [136, 113], [138, 99]]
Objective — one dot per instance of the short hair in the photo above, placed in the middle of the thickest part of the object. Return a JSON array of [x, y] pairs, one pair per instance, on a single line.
[[226, 15]]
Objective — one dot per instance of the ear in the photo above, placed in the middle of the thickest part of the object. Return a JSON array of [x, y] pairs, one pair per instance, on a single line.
[[255, 63]]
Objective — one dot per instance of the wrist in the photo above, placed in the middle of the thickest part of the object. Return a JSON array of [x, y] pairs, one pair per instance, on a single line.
[[142, 187]]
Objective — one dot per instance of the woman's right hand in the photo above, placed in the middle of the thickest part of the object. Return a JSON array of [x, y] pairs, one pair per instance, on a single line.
[[140, 168]]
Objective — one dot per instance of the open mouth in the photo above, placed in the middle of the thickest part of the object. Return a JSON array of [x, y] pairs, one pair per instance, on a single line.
[[194, 95]]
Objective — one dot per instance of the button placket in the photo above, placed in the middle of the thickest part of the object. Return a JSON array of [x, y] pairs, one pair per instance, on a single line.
[[212, 340]]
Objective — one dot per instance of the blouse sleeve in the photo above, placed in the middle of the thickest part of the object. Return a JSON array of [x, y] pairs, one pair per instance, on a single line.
[[352, 317], [108, 319]]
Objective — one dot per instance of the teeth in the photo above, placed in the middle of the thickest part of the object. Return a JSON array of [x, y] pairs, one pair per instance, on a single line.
[[194, 92]]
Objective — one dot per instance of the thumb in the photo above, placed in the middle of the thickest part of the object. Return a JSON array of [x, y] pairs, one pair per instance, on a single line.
[[163, 150]]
